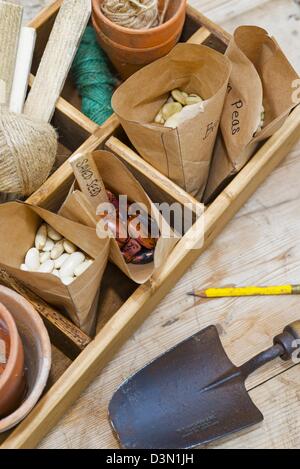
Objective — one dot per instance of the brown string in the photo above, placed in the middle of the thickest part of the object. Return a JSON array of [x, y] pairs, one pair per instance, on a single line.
[[134, 14]]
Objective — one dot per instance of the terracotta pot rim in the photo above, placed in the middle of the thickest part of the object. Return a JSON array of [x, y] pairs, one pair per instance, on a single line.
[[32, 398], [136, 32], [133, 49], [14, 343]]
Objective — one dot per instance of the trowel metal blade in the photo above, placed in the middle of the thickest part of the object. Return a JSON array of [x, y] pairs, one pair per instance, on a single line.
[[189, 396]]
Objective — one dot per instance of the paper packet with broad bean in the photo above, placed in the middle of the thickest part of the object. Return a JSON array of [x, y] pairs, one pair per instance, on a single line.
[[183, 154]]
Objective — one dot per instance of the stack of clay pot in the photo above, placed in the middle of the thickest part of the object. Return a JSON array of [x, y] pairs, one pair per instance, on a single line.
[[131, 49], [25, 358]]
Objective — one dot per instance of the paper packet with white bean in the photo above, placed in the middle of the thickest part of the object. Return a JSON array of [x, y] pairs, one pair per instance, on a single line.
[[181, 151], [259, 98], [61, 261]]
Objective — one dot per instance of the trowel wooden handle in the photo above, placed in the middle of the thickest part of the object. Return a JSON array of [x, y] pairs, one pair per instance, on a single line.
[[289, 340]]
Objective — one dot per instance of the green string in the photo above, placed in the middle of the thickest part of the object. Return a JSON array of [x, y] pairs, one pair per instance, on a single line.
[[94, 80]]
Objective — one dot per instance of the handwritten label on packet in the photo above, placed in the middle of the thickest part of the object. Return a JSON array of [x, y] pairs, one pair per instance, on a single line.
[[235, 122], [89, 179], [237, 104], [210, 129]]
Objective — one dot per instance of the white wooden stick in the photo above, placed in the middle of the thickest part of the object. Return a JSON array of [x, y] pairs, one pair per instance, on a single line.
[[64, 39], [22, 69], [10, 25]]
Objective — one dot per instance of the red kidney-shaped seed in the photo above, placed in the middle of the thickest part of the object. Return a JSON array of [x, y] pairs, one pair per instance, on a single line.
[[115, 229], [144, 257], [130, 250], [113, 199], [138, 230]]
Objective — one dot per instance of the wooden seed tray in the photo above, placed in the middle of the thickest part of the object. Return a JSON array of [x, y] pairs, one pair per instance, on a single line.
[[123, 306]]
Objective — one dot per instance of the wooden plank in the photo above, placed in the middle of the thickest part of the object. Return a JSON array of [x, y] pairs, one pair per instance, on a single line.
[[75, 435], [143, 301], [10, 24], [278, 399], [199, 36], [259, 246], [22, 69], [215, 29], [45, 14], [223, 10], [63, 42], [63, 333], [72, 113], [64, 174]]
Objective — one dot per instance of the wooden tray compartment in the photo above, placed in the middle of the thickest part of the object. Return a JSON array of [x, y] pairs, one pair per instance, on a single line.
[[123, 305]]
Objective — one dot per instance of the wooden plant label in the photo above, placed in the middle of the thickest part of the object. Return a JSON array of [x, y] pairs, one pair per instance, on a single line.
[[60, 51], [10, 25], [89, 179]]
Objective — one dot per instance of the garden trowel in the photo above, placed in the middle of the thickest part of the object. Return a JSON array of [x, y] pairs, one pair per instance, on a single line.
[[192, 394]]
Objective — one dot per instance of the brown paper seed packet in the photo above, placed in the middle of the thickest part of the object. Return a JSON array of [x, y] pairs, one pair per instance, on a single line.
[[19, 224], [182, 154], [261, 79], [119, 180]]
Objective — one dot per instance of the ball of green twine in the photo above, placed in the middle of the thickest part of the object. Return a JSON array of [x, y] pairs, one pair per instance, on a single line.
[[94, 80]]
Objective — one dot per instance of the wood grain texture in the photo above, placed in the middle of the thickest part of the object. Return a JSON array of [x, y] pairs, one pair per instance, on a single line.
[[259, 245], [161, 181], [64, 39], [63, 333], [142, 302], [10, 24]]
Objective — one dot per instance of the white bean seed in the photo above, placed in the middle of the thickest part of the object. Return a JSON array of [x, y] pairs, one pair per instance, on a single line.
[[24, 268], [47, 267], [44, 256], [58, 250], [32, 259], [69, 266], [41, 237], [67, 280], [53, 234], [69, 247], [49, 245], [82, 268], [59, 262]]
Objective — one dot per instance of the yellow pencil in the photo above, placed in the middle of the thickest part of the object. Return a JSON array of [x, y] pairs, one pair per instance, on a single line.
[[247, 291]]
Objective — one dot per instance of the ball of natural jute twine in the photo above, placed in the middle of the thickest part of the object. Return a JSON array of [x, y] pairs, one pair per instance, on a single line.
[[28, 150], [134, 14]]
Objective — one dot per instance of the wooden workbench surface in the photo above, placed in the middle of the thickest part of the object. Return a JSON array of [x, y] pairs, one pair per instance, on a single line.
[[260, 246]]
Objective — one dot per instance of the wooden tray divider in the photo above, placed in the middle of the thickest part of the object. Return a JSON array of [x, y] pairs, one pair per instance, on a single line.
[[123, 324], [135, 161], [93, 355], [63, 333]]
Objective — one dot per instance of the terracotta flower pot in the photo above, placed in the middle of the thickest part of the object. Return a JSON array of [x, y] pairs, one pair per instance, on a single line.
[[37, 352], [12, 381], [145, 38], [128, 60]]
